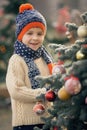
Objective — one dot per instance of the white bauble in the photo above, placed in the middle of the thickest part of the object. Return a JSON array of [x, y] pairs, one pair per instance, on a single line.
[[82, 31]]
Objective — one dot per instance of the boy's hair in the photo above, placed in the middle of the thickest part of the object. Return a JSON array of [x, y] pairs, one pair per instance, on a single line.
[[28, 18]]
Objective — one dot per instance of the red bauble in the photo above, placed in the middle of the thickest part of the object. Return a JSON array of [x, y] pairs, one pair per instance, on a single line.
[[55, 128], [39, 109], [50, 95]]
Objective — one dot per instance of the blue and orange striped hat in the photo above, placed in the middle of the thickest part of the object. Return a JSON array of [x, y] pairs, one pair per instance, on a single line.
[[28, 18]]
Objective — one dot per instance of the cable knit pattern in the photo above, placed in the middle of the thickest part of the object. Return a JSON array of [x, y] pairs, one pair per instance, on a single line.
[[23, 98]]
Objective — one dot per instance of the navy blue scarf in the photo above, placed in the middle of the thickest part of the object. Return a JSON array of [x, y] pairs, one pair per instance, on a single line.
[[29, 56]]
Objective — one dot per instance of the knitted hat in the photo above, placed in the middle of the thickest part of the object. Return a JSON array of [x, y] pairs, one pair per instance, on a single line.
[[28, 18]]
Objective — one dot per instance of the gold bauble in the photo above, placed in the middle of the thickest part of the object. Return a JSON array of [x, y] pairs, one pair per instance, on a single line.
[[79, 55], [63, 94]]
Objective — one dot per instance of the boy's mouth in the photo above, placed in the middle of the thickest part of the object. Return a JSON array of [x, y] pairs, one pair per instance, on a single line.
[[34, 43]]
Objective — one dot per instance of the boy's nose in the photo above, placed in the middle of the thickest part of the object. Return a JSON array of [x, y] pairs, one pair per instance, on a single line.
[[35, 37]]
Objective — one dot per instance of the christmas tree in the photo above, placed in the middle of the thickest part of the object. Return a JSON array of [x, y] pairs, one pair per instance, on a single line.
[[7, 34], [67, 86]]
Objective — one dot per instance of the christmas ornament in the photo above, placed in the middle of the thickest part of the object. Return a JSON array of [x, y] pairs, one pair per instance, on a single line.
[[73, 85], [82, 31], [58, 69], [63, 94], [2, 49], [55, 128], [39, 108], [86, 100], [50, 95], [79, 55]]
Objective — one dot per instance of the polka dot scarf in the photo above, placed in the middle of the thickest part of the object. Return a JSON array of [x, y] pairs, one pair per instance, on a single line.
[[29, 56]]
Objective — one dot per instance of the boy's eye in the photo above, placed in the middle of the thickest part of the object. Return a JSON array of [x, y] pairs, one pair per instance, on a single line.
[[40, 34], [29, 33]]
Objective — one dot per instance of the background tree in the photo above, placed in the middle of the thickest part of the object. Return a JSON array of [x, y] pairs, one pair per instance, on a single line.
[[7, 34]]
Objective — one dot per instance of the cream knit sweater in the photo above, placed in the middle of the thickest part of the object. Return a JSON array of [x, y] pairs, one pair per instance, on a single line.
[[23, 97]]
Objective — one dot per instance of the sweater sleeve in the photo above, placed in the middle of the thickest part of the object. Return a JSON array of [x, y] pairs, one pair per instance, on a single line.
[[16, 84]]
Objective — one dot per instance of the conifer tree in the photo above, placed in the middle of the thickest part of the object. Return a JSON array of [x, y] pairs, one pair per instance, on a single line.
[[7, 34], [68, 85]]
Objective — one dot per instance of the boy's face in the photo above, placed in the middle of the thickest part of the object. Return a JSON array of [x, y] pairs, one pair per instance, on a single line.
[[33, 38]]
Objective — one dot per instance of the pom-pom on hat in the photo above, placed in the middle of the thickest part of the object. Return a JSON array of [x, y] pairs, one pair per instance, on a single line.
[[28, 18]]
